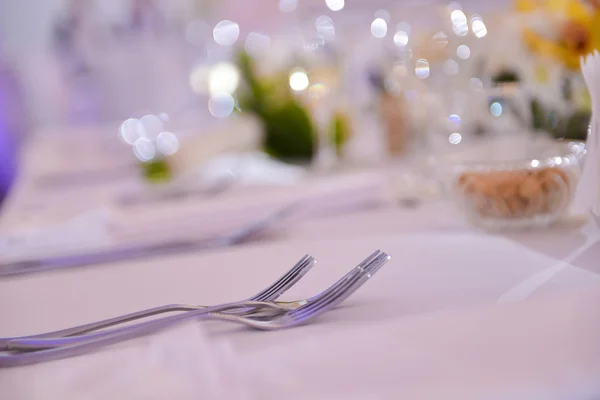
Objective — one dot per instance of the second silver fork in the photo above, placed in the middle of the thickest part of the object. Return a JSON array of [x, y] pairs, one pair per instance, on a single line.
[[32, 344], [270, 293], [314, 307]]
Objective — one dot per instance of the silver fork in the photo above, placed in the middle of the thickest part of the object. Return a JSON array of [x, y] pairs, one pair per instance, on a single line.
[[145, 250], [313, 308], [37, 343], [271, 293]]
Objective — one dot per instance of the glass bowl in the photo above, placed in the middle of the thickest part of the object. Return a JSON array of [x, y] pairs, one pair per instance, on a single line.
[[517, 193]]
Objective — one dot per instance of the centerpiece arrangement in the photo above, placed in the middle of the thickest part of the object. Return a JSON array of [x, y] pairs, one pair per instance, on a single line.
[[516, 71], [523, 64], [288, 129], [557, 33], [290, 124], [293, 128]]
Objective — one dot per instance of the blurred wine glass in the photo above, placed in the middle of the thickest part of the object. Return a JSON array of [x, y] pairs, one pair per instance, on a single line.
[[324, 76]]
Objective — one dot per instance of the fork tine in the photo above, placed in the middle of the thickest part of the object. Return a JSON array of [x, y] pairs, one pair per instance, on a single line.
[[343, 283], [340, 293], [369, 272], [351, 273], [288, 280], [326, 304]]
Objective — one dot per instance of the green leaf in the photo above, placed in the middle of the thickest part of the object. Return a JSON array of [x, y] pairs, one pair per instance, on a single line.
[[538, 115], [156, 171], [577, 125], [288, 128], [506, 76], [339, 131], [289, 133]]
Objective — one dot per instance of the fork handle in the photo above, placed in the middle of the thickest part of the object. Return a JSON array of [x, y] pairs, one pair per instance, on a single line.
[[9, 359], [107, 323], [127, 332], [86, 328]]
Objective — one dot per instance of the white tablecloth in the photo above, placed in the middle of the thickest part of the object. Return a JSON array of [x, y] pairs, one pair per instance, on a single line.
[[441, 269], [430, 275]]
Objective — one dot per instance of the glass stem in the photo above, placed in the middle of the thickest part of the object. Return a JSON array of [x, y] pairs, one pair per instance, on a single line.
[[326, 156]]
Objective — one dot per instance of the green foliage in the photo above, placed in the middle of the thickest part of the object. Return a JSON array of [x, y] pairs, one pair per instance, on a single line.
[[288, 128], [156, 171], [538, 115], [340, 132], [574, 126], [288, 132], [577, 125], [506, 76]]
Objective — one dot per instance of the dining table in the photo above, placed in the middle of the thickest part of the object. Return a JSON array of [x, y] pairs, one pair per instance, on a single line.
[[458, 312]]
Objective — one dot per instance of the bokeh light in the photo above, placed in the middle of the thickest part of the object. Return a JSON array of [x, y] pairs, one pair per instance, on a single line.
[[299, 80], [422, 68], [478, 27], [401, 38], [223, 77], [226, 33], [130, 130], [335, 5], [144, 149], [221, 104], [463, 52], [459, 22], [496, 109], [167, 143], [454, 120], [288, 5], [152, 126], [379, 28], [455, 138], [325, 27]]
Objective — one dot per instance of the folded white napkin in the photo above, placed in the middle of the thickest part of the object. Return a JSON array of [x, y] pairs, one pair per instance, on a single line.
[[89, 230], [237, 208], [215, 175], [181, 363], [196, 218], [587, 197]]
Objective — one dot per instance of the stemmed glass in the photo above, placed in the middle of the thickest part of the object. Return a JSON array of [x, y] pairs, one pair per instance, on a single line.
[[322, 97]]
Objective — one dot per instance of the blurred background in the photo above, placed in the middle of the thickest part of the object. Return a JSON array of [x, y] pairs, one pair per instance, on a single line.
[[135, 131], [116, 87]]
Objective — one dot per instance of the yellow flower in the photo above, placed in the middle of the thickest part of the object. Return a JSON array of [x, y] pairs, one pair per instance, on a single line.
[[578, 35]]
